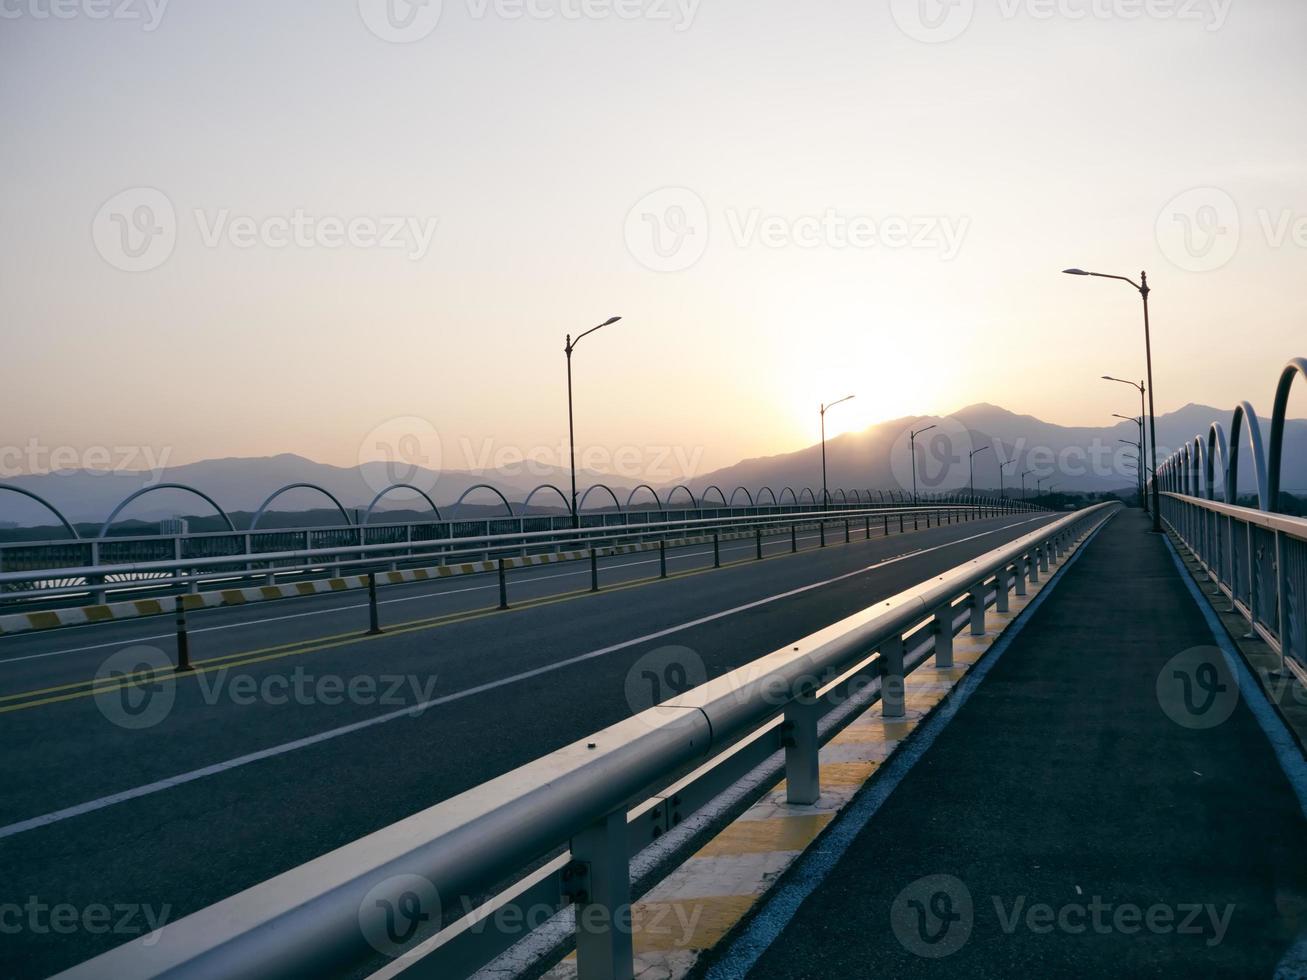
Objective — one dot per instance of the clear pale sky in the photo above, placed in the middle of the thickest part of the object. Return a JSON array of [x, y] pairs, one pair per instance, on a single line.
[[1037, 138]]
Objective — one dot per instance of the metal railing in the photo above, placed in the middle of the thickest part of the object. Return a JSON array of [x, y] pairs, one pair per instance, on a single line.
[[1258, 560], [562, 831], [95, 582]]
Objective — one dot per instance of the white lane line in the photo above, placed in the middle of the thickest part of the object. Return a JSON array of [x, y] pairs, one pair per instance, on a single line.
[[346, 608], [301, 743]]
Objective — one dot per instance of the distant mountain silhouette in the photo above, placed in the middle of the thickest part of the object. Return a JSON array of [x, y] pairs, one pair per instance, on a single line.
[[877, 458]]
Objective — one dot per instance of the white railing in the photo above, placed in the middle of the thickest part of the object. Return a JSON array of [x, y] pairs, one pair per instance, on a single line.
[[562, 831]]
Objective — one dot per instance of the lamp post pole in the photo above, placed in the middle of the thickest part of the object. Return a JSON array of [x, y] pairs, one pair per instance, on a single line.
[[974, 454], [571, 431], [912, 439], [825, 495], [1144, 291], [1143, 494], [1023, 484]]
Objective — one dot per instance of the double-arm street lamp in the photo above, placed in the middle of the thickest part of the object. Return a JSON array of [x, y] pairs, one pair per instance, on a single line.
[[1139, 460], [974, 454], [912, 439], [571, 434], [1142, 287], [825, 495]]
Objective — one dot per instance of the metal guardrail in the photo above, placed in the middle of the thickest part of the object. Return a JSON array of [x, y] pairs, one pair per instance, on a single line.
[[563, 830], [93, 582], [1258, 560]]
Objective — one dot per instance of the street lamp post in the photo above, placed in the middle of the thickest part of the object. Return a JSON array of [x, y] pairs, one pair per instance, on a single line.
[[1139, 469], [1002, 490], [1143, 495], [912, 439], [1023, 484], [1138, 386], [825, 494], [974, 454], [571, 432], [1144, 290]]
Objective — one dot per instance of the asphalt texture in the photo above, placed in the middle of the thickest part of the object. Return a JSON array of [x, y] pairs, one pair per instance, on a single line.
[[1077, 817], [169, 793]]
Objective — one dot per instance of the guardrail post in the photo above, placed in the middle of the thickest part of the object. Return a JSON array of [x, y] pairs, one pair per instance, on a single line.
[[891, 684], [1043, 557], [886, 520], [374, 618], [867, 519], [802, 765], [604, 946], [594, 570], [662, 557], [944, 638], [1001, 587], [716, 550], [503, 585], [1032, 565], [978, 610], [821, 525], [847, 539], [794, 539], [183, 641], [915, 525], [1023, 569], [757, 540]]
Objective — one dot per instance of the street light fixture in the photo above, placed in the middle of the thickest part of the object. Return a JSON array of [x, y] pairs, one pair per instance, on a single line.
[[912, 439], [1143, 495], [1023, 484], [1002, 490], [974, 454], [571, 434], [825, 495], [1143, 289]]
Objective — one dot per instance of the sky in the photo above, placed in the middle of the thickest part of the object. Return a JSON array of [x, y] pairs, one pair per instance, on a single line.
[[360, 227]]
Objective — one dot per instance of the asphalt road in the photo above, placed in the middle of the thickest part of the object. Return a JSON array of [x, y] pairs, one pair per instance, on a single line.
[[1104, 805], [297, 733]]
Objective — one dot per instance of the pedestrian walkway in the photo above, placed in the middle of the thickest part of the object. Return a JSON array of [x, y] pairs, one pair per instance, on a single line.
[[1105, 803]]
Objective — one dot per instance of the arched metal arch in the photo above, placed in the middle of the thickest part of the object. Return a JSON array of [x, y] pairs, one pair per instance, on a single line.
[[793, 497], [688, 492], [719, 493], [844, 497], [1218, 449], [486, 486], [104, 528], [44, 503], [773, 496], [748, 496], [598, 486], [1245, 416], [644, 486], [1291, 370], [810, 494], [546, 486], [1186, 471], [1198, 459], [258, 515], [367, 514]]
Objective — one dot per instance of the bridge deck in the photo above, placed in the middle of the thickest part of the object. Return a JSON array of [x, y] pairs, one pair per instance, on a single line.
[[1085, 822]]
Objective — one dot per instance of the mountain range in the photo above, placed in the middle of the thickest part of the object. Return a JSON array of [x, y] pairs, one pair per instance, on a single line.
[[876, 458]]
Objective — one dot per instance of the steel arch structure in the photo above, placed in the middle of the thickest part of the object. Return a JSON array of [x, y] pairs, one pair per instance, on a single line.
[[258, 515], [793, 497], [104, 528], [44, 503], [486, 486], [747, 496], [546, 486], [773, 496], [719, 493], [1296, 367], [688, 492], [644, 486], [812, 496], [599, 486], [1245, 417], [367, 514]]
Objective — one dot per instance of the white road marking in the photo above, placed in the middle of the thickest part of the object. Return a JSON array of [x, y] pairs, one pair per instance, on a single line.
[[148, 789]]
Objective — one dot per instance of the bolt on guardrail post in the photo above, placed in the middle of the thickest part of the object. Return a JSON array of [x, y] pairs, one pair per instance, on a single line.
[[1002, 586], [374, 619], [757, 540], [183, 641], [662, 558], [944, 638], [891, 678], [799, 737], [604, 947], [503, 585], [594, 570], [794, 539], [978, 610]]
